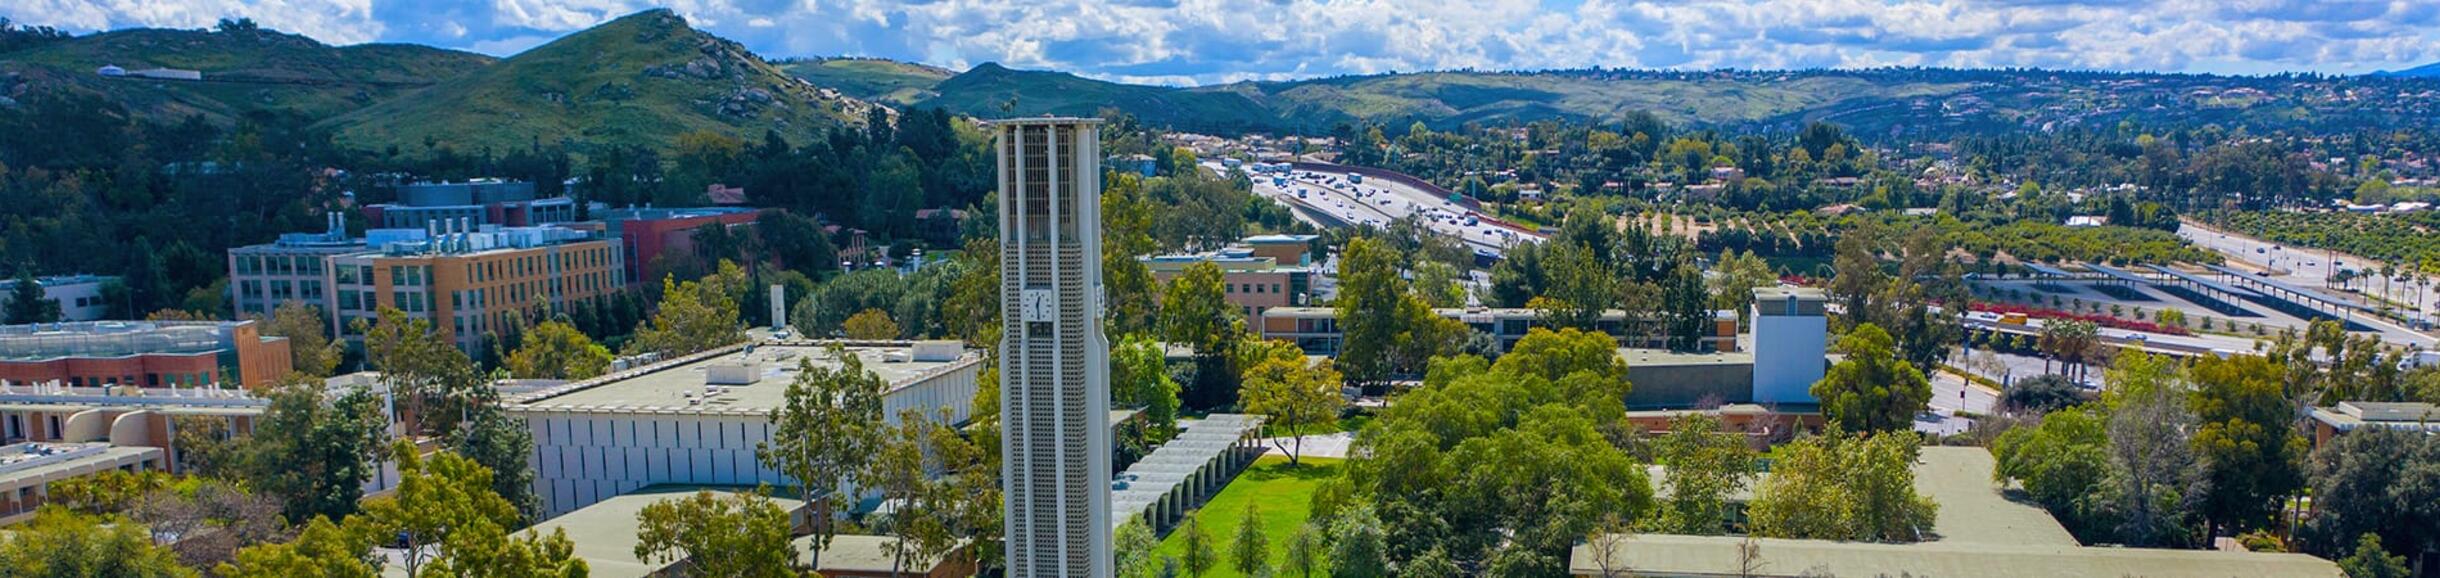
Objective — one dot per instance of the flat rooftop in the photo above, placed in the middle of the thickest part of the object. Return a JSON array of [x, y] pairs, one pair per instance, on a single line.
[[35, 463], [2348, 415], [1641, 357], [863, 554], [1780, 292], [1678, 555], [1979, 531], [678, 386], [41, 341], [605, 534]]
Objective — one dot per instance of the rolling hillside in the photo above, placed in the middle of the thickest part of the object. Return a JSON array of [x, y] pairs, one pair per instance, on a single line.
[[879, 80], [991, 90], [1883, 101], [1441, 99], [642, 79], [245, 71], [2425, 71]]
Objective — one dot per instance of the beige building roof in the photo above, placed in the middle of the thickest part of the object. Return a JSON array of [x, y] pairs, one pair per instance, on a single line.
[[680, 386], [605, 534], [1663, 555], [862, 554], [1979, 532]]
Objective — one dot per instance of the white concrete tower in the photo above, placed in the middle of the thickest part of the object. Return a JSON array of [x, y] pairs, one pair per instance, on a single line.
[[1054, 362], [1791, 336]]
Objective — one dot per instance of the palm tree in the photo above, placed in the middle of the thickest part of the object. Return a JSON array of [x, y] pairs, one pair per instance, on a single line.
[[2069, 341], [2389, 271]]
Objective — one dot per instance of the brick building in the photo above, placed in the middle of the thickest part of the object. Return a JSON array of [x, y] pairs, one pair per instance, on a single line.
[[185, 354], [649, 237]]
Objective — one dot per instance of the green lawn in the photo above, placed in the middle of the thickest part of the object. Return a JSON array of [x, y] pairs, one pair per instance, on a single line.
[[1284, 495]]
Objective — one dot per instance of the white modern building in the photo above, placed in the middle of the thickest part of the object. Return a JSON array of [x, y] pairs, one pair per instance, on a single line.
[[696, 420], [1791, 334], [1054, 361], [79, 296]]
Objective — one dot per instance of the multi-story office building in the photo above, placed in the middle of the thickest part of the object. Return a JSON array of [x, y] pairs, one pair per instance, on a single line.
[[466, 279], [1054, 367], [1256, 275], [471, 282], [294, 268], [483, 201], [148, 354], [79, 296]]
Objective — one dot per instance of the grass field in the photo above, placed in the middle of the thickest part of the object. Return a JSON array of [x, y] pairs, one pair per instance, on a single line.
[[1283, 494]]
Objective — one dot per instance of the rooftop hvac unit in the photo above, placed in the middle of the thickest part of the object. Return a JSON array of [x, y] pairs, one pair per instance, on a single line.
[[733, 374], [938, 350]]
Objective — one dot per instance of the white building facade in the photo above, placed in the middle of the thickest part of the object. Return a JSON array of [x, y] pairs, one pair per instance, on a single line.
[[1054, 361], [688, 421], [79, 296], [1791, 335]]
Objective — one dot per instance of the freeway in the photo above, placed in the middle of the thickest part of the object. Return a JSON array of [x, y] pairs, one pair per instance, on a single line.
[[2178, 345], [1377, 202], [2303, 267]]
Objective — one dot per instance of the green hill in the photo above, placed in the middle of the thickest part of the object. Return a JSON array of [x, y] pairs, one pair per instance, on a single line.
[[1440, 99], [880, 80], [991, 90], [1453, 98], [642, 79], [244, 71]]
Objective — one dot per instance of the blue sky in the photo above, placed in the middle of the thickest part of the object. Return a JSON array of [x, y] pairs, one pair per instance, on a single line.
[[1211, 41]]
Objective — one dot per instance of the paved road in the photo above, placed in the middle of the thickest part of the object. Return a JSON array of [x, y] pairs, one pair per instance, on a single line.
[[1329, 445], [1950, 395], [2312, 268], [2190, 344], [1376, 202]]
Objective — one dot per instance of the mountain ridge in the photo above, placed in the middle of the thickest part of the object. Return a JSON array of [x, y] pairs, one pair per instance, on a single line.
[[645, 79], [2425, 71], [245, 70]]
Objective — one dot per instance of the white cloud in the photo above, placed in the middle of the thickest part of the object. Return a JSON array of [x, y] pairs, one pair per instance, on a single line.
[[1210, 41]]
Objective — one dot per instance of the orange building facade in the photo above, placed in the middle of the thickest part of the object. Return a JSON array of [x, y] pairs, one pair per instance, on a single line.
[[467, 294]]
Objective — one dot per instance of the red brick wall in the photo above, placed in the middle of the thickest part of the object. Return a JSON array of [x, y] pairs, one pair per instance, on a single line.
[[129, 370], [646, 239]]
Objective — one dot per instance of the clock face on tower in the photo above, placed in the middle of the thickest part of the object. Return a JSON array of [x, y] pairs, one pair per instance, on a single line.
[[1041, 305]]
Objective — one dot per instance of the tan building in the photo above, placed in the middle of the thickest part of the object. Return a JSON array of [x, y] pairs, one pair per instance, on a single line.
[[1253, 284], [2348, 416], [27, 471], [468, 284], [861, 556]]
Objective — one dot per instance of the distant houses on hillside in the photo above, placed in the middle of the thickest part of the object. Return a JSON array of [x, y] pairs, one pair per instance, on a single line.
[[114, 71]]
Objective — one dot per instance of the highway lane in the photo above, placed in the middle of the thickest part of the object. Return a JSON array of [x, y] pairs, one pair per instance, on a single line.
[[1377, 202], [2195, 344], [2312, 268]]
